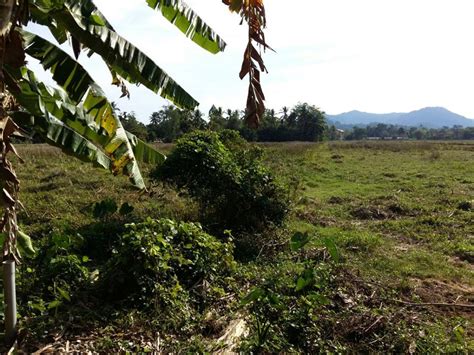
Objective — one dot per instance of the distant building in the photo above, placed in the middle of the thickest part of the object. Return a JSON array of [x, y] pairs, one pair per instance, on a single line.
[[340, 134]]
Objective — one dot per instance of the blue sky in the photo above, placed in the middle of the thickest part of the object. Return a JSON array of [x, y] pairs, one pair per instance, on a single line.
[[340, 55]]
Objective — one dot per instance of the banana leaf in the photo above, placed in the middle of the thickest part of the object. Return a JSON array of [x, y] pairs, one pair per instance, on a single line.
[[67, 72], [188, 22], [93, 120], [75, 80], [56, 133], [120, 55]]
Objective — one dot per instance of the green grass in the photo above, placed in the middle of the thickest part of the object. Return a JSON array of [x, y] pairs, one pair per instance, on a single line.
[[392, 209], [58, 190], [386, 195]]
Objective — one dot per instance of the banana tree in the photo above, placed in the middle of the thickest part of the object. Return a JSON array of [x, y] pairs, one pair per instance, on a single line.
[[75, 115]]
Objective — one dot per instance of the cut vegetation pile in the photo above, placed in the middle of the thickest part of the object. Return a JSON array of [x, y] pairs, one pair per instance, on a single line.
[[374, 255]]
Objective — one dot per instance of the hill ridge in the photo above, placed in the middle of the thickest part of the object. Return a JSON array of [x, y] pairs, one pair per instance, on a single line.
[[429, 117]]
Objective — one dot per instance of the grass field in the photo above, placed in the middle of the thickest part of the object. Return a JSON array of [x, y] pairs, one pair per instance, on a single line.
[[402, 202], [400, 213]]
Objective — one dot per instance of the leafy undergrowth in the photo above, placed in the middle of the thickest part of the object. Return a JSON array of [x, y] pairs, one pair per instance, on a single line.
[[378, 247]]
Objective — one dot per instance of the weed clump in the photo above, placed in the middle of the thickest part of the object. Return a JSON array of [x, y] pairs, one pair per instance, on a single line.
[[466, 206], [382, 211], [336, 200], [369, 212], [434, 155], [166, 266], [227, 177]]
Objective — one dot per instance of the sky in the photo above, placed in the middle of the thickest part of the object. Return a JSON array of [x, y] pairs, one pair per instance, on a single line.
[[376, 56]]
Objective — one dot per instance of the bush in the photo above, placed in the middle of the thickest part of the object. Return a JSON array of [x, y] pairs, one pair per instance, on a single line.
[[60, 260], [228, 179], [167, 266], [54, 276]]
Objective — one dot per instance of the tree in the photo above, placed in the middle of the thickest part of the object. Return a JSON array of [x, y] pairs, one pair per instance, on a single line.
[[357, 133], [76, 115], [285, 111], [233, 120], [217, 122], [132, 125], [169, 123], [197, 120], [310, 122], [332, 133]]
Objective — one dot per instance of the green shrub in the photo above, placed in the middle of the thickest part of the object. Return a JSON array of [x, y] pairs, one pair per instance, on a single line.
[[284, 308], [227, 177], [167, 266], [107, 208], [55, 276], [60, 260]]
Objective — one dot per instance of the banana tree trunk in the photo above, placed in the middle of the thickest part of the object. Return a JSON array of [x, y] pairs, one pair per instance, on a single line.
[[10, 301]]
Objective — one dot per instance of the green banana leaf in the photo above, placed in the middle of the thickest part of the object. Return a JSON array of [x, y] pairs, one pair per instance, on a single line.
[[75, 80], [39, 12], [87, 27], [175, 11], [93, 120], [188, 22], [143, 152], [58, 134], [67, 72]]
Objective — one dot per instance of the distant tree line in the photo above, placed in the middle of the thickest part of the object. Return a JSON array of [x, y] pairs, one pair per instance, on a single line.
[[384, 131], [303, 122]]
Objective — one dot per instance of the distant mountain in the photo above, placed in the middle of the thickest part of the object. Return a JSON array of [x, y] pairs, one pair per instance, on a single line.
[[362, 118], [429, 117]]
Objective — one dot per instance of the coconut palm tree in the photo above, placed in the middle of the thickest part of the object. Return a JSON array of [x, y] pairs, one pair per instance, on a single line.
[[76, 115], [285, 111]]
